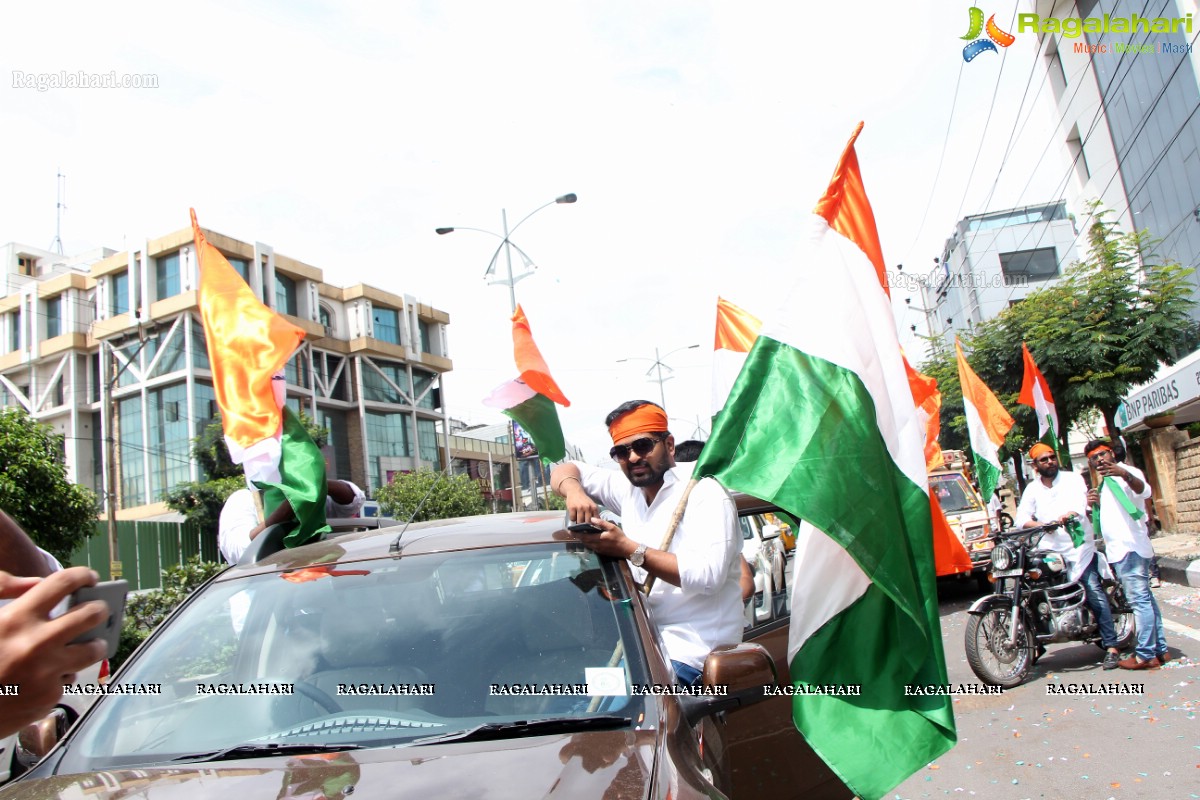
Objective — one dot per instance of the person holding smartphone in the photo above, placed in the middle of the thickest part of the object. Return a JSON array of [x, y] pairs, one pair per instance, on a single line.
[[696, 597]]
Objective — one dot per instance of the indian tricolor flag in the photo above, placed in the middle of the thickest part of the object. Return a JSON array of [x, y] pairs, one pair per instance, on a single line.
[[1035, 393], [736, 331], [987, 424], [248, 347], [529, 398], [822, 422]]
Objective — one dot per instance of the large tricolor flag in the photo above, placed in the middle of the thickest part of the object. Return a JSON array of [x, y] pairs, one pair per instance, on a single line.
[[248, 347], [736, 331], [530, 397], [987, 424], [1035, 393], [822, 422]]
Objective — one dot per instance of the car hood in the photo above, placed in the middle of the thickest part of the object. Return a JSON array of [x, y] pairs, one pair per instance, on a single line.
[[581, 765]]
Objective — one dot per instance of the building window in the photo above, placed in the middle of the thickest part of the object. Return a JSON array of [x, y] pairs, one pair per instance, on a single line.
[[133, 469], [296, 371], [242, 267], [421, 382], [424, 332], [14, 331], [427, 438], [324, 317], [54, 317], [376, 389], [27, 266], [119, 296], [388, 436], [285, 294], [1029, 265], [387, 324], [166, 276], [169, 444]]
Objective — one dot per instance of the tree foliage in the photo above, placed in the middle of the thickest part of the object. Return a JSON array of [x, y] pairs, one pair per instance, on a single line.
[[201, 501], [431, 495], [1103, 328], [57, 514]]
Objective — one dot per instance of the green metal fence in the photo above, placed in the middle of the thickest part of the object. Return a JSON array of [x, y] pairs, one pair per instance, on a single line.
[[145, 549]]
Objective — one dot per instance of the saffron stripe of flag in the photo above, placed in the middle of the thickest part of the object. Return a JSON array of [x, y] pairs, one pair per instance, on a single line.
[[1035, 393], [987, 424], [824, 425], [736, 331]]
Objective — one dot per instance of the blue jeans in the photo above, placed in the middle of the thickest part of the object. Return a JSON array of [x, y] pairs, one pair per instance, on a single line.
[[1097, 600], [1134, 572], [686, 674]]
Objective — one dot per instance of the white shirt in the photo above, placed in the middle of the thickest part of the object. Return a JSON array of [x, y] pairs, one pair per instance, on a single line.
[[239, 516], [706, 609], [1122, 533], [1042, 504]]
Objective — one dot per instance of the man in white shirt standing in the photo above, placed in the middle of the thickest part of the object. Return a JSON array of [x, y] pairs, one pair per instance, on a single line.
[[696, 600], [1059, 497], [242, 515], [1121, 500]]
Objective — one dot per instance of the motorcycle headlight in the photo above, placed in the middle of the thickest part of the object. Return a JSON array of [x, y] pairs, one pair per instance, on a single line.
[[1002, 557], [1054, 562]]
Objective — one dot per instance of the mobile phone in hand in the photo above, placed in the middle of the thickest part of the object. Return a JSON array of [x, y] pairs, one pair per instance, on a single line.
[[112, 594], [585, 527]]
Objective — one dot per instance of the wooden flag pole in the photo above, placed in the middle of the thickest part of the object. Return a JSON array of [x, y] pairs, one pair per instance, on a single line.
[[675, 519]]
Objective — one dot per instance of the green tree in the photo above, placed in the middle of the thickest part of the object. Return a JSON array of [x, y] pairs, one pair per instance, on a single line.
[[34, 490], [431, 495], [201, 501]]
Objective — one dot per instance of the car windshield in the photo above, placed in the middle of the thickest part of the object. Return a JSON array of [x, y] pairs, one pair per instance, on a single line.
[[954, 494], [372, 653]]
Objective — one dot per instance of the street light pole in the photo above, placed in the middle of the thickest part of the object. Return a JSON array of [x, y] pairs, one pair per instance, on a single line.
[[657, 368]]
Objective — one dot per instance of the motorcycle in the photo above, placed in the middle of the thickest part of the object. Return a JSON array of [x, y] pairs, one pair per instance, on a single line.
[[1035, 604]]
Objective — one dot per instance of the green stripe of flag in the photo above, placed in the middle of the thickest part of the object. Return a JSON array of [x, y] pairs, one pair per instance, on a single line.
[[539, 417]]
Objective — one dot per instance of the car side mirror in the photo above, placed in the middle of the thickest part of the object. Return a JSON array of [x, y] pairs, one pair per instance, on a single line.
[[37, 739], [742, 672], [770, 531]]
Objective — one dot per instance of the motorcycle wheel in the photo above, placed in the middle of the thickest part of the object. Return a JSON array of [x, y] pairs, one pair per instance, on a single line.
[[990, 660], [1124, 622]]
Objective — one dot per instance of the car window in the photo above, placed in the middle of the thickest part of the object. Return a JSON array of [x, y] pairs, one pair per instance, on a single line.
[[376, 653], [954, 494]]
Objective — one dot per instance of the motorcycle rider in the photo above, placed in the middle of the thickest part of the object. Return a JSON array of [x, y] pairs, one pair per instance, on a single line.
[[1121, 502], [1055, 497]]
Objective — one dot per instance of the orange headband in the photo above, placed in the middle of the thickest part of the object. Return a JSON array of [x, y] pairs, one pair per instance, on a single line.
[[1040, 449], [1102, 448], [643, 419]]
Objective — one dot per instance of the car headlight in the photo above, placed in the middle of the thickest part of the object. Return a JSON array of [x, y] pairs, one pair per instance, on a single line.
[[1002, 557]]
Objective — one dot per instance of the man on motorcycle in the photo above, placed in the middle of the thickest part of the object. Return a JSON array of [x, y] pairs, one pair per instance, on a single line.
[[1056, 497], [1120, 501]]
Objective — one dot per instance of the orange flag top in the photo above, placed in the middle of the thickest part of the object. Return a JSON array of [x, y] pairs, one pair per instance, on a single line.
[[531, 367], [949, 555], [736, 328], [846, 208], [928, 401], [248, 344]]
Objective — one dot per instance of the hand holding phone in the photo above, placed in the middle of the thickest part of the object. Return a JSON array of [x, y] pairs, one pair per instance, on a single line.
[[112, 594], [585, 527]]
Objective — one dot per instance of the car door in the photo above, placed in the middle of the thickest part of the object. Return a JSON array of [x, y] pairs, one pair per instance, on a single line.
[[767, 756]]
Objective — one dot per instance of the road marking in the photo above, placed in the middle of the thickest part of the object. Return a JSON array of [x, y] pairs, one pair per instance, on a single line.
[[1180, 628]]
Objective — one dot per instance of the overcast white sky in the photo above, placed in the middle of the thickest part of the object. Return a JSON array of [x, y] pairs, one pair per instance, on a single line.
[[697, 136]]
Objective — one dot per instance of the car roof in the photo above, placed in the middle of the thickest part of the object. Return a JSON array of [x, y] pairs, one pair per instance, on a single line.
[[374, 538]]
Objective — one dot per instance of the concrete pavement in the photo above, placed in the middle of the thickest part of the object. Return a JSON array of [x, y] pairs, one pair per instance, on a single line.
[[1178, 557]]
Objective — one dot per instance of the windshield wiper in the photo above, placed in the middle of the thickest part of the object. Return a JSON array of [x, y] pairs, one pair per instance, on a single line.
[[265, 750], [533, 727]]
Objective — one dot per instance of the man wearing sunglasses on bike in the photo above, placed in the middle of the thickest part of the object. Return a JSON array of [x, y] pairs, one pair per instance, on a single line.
[[696, 599]]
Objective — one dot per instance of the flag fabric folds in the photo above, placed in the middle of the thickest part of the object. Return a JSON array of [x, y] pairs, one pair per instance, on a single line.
[[736, 331], [1035, 393], [529, 398], [248, 347], [949, 555], [987, 424], [822, 422]]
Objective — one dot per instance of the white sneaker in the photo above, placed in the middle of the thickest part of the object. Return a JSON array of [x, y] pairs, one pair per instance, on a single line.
[[1155, 583]]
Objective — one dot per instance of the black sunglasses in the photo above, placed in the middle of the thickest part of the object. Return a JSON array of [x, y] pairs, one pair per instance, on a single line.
[[641, 446]]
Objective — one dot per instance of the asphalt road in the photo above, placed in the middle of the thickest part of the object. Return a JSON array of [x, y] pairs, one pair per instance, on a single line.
[[1028, 744]]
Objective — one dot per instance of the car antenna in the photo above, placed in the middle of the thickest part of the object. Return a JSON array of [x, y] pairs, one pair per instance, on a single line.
[[395, 548]]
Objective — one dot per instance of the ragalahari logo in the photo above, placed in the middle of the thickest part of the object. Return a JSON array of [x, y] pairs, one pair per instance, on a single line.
[[995, 36]]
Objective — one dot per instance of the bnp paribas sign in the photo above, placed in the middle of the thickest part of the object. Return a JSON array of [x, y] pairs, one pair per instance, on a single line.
[[1072, 27]]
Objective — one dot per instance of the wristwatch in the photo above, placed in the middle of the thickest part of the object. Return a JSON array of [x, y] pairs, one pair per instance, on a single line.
[[638, 557]]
